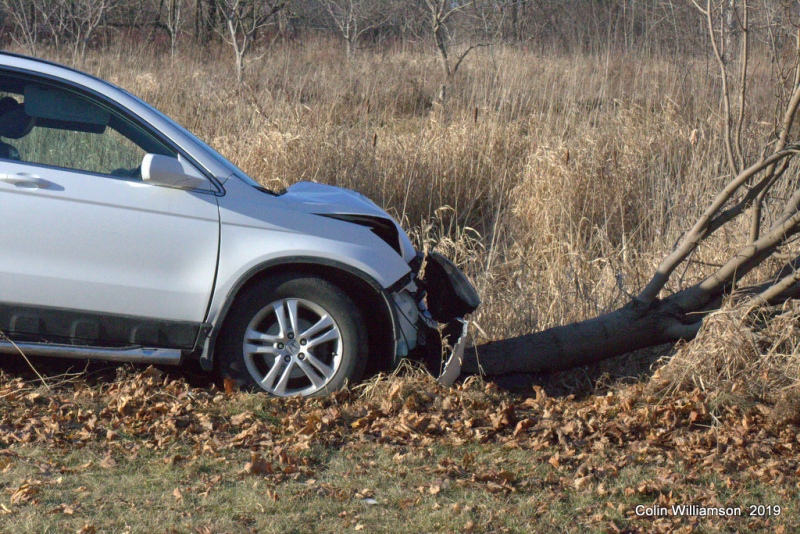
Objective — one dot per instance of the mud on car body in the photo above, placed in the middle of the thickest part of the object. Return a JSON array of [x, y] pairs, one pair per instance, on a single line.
[[124, 237]]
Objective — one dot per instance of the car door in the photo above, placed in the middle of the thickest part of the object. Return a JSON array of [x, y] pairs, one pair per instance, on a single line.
[[88, 250]]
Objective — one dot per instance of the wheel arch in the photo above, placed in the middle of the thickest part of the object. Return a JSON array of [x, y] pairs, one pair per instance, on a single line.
[[373, 301]]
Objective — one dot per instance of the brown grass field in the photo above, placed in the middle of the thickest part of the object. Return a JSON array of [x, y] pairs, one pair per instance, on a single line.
[[557, 182]]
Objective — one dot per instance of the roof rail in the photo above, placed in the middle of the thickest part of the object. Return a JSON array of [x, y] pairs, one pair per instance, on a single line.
[[51, 63]]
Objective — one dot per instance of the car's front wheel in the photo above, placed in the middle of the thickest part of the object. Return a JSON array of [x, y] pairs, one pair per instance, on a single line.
[[293, 335]]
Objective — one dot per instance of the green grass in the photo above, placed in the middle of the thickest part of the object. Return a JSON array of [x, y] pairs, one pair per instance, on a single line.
[[138, 495]]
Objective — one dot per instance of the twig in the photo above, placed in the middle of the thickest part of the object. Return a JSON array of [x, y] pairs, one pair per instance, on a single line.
[[5, 337]]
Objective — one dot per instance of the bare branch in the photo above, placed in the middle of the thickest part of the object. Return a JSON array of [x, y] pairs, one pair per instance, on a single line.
[[723, 71], [742, 86], [464, 54], [777, 290], [702, 228]]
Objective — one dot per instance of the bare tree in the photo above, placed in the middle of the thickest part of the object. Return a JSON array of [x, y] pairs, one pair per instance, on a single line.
[[759, 186], [243, 20], [440, 16], [85, 16], [205, 20], [171, 17], [78, 19], [55, 14], [353, 18], [23, 16], [62, 21]]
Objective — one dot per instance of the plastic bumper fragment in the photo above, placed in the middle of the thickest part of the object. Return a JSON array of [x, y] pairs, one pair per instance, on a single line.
[[452, 367]]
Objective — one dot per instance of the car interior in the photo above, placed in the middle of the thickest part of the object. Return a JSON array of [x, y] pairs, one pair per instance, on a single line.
[[14, 124], [44, 124]]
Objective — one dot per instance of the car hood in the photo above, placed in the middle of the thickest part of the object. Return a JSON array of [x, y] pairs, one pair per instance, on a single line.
[[323, 199], [328, 200]]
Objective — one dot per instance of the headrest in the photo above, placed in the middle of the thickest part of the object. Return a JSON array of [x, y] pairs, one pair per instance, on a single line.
[[14, 122]]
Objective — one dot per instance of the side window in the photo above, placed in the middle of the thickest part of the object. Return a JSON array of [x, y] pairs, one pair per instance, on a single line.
[[48, 125]]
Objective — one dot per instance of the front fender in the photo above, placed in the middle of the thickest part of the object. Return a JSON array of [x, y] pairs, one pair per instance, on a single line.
[[298, 263]]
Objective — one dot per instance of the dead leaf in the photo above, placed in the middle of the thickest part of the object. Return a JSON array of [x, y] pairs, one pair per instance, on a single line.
[[242, 418], [5, 461], [581, 482], [468, 459], [523, 426], [258, 465], [24, 493], [63, 509], [494, 487], [177, 494], [152, 372], [507, 477], [405, 504], [230, 386], [504, 417]]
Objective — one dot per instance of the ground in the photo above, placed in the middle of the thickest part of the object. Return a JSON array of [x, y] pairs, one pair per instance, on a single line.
[[134, 449]]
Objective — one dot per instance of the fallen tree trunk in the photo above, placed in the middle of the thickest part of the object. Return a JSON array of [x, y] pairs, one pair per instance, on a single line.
[[638, 325], [563, 347]]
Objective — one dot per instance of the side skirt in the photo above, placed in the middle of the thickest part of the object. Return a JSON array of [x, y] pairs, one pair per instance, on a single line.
[[83, 329], [132, 354]]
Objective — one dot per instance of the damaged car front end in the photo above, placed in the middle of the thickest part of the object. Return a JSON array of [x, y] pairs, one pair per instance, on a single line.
[[429, 304], [432, 309]]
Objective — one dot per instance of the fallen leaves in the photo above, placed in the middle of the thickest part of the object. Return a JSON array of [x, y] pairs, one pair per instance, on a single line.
[[25, 493], [504, 417], [575, 446], [66, 509]]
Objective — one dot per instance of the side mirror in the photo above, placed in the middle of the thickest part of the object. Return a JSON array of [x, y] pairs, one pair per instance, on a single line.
[[171, 172]]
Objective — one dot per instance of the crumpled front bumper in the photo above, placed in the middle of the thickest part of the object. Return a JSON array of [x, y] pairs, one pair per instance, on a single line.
[[443, 296]]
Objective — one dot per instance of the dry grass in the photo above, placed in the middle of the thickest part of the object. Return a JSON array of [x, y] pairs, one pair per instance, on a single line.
[[743, 354]]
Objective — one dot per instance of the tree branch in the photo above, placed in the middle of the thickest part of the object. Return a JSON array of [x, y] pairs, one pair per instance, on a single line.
[[462, 56], [702, 228], [725, 90]]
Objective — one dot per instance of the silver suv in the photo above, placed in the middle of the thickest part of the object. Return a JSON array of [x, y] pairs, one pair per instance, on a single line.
[[124, 237]]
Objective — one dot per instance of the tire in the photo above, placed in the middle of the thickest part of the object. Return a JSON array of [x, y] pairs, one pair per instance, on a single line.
[[293, 335]]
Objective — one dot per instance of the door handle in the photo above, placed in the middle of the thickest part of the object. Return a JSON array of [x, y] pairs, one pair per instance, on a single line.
[[27, 181]]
